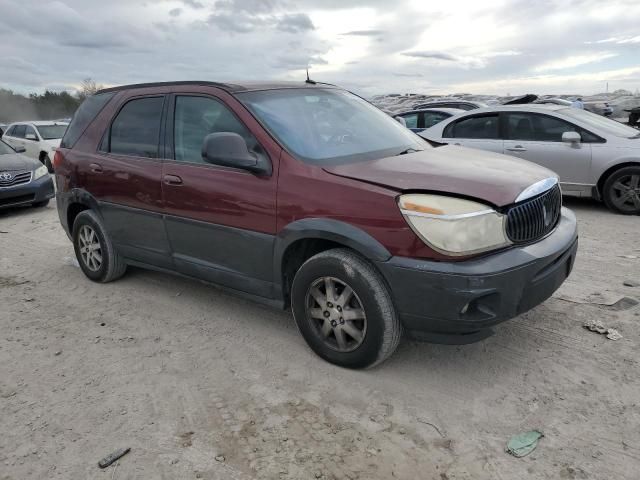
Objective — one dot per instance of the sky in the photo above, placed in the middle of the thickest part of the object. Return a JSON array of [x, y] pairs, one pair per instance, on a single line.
[[495, 47]]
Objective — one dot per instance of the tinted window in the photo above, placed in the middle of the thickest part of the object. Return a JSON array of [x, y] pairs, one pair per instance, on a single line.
[[52, 132], [30, 130], [431, 118], [411, 120], [541, 128], [10, 131], [19, 131], [136, 129], [484, 126], [197, 117], [83, 117]]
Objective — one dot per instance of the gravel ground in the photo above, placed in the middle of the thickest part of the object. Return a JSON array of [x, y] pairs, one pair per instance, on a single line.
[[201, 384]]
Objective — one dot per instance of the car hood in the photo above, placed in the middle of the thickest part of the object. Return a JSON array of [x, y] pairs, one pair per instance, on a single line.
[[15, 161], [53, 143], [495, 178]]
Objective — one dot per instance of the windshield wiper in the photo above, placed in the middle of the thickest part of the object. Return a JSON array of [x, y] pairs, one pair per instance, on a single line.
[[408, 150]]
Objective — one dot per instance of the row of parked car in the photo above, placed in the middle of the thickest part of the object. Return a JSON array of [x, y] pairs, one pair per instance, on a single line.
[[594, 156]]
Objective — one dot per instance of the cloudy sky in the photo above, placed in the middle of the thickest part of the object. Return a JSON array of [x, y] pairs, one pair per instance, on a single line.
[[370, 46]]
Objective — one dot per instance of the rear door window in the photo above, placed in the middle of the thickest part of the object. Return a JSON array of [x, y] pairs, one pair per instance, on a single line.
[[479, 126], [431, 118], [136, 129], [19, 131], [411, 120]]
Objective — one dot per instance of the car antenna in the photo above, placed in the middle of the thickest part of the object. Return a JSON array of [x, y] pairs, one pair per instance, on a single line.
[[308, 80]]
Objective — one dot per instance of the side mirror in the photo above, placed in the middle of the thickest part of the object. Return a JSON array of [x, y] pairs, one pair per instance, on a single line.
[[401, 121], [20, 149], [230, 150], [571, 137], [31, 136]]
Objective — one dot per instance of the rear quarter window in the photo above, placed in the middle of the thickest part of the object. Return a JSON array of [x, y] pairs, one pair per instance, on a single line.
[[85, 114]]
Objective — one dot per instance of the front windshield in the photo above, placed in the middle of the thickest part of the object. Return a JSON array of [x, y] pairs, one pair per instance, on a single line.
[[330, 126], [51, 132], [606, 125], [5, 149]]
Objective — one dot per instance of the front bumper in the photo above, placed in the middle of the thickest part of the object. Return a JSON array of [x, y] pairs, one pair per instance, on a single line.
[[33, 192], [458, 302]]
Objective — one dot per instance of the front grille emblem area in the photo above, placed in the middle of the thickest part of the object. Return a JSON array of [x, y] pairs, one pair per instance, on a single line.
[[6, 176]]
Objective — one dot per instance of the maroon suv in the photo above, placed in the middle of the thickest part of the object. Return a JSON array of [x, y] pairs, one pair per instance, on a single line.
[[306, 195]]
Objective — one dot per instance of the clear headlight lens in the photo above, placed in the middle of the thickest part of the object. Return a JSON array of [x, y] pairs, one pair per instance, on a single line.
[[454, 226], [40, 172]]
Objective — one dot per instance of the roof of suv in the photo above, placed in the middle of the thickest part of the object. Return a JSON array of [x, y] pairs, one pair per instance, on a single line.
[[231, 87]]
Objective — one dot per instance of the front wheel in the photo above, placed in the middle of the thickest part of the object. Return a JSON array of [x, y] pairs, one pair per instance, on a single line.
[[344, 310], [96, 254], [621, 192]]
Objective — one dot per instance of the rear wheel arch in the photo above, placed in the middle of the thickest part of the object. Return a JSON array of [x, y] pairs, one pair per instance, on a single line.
[[611, 170], [78, 201]]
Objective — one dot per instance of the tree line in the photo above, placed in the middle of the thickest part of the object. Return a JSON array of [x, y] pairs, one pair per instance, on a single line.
[[15, 107]]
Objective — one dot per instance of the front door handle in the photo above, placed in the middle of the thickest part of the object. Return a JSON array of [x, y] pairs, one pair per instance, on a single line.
[[517, 148], [95, 168], [172, 180]]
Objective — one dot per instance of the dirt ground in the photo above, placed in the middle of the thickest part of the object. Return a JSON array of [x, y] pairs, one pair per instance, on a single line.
[[201, 384]]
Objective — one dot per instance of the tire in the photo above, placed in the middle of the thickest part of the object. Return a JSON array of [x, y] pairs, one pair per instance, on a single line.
[[621, 191], [48, 164], [110, 265], [369, 306], [41, 204]]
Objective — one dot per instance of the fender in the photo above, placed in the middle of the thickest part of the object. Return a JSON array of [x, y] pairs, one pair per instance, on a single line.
[[75, 195], [326, 229]]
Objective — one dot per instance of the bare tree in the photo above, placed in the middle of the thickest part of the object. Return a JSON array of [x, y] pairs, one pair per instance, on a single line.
[[87, 88]]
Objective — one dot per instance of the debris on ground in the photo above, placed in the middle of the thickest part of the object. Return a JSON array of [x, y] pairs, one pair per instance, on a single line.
[[71, 261], [109, 459], [598, 327], [523, 444], [631, 283], [630, 257], [220, 458]]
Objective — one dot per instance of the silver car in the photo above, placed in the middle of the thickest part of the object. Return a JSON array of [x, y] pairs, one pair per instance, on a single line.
[[593, 155]]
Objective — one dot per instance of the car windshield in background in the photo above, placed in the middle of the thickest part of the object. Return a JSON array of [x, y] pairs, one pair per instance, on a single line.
[[330, 126], [603, 123], [5, 149], [51, 132]]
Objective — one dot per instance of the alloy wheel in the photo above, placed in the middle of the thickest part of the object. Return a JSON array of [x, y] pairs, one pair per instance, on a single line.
[[336, 314], [89, 247], [625, 192]]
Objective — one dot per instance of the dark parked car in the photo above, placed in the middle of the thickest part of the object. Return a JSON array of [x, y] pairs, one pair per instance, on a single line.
[[418, 120], [23, 181], [305, 195]]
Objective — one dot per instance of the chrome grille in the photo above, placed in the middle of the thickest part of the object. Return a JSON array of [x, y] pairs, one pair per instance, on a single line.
[[11, 179], [534, 218]]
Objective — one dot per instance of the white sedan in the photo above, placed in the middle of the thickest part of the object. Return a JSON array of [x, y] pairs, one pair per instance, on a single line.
[[593, 155], [39, 139]]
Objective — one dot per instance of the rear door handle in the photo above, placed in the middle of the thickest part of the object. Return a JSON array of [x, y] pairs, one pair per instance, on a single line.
[[172, 180], [95, 168], [517, 148]]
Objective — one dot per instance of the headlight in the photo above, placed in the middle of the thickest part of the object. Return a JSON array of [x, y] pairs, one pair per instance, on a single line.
[[454, 226], [39, 172]]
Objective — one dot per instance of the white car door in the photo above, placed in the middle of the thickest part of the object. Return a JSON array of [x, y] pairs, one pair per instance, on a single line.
[[475, 131], [32, 142], [538, 138]]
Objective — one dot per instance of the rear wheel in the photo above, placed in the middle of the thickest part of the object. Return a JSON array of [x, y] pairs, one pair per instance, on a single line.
[[96, 255], [344, 311], [621, 192]]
